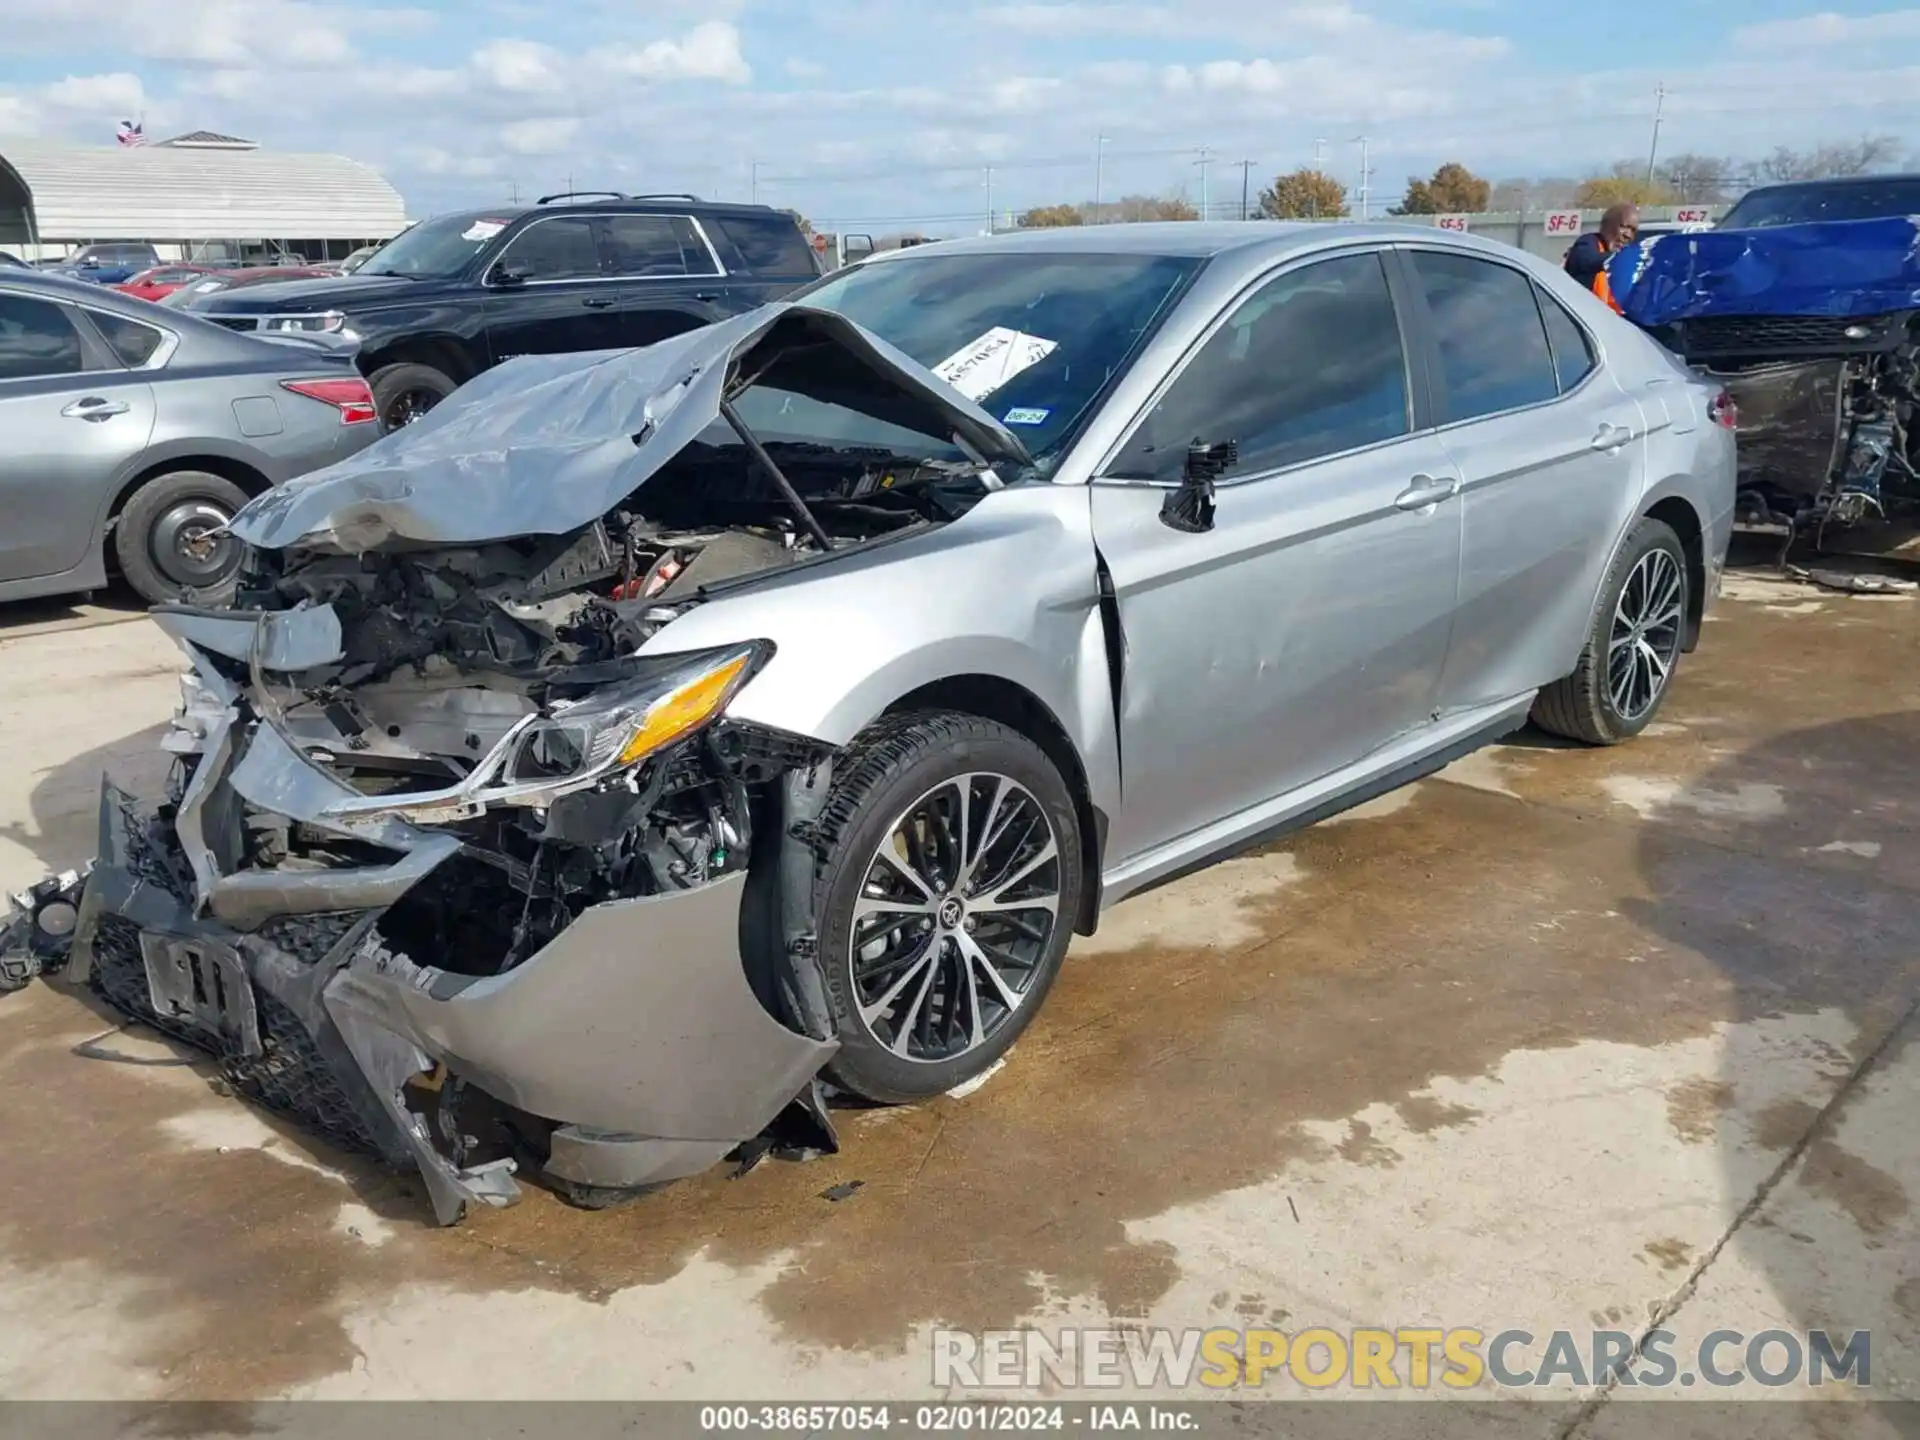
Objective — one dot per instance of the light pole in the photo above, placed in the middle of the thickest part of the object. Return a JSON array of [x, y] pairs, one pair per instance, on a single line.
[[1205, 160], [1099, 173], [1653, 147]]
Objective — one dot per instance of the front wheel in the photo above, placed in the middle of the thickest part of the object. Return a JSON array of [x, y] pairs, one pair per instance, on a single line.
[[1633, 645], [403, 393], [945, 902]]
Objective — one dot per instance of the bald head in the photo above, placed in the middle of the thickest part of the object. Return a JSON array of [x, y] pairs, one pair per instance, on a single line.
[[1620, 224]]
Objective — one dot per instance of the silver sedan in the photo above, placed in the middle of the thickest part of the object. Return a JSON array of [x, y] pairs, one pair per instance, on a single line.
[[133, 434], [645, 744]]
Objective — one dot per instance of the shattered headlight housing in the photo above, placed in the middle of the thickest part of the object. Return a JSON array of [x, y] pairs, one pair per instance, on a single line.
[[579, 744]]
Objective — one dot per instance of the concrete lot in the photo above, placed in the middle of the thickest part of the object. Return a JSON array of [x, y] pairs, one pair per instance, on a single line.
[[1559, 1039]]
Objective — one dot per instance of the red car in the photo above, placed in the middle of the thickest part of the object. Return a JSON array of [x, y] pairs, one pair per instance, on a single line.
[[162, 280], [209, 281]]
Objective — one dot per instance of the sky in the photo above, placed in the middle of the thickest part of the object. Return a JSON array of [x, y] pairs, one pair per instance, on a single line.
[[888, 115]]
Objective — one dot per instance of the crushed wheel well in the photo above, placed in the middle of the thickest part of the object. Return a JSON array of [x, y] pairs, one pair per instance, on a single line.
[[993, 698], [1684, 521], [449, 357]]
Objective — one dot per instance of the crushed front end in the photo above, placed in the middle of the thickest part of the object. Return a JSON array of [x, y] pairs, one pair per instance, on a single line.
[[1814, 332], [450, 875]]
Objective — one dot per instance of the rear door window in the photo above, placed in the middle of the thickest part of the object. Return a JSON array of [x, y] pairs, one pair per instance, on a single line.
[[37, 339], [769, 244], [659, 246], [1492, 341]]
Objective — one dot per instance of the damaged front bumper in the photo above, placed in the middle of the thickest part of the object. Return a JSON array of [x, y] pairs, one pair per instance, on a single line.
[[629, 1050]]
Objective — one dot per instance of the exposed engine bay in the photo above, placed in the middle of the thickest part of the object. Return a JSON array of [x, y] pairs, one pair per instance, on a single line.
[[457, 865], [1825, 439]]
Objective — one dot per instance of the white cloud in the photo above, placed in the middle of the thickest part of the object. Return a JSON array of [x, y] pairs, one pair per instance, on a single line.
[[539, 137], [709, 51], [521, 66], [801, 69], [1829, 29]]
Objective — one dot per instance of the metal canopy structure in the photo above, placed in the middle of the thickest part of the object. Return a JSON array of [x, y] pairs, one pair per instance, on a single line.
[[191, 190]]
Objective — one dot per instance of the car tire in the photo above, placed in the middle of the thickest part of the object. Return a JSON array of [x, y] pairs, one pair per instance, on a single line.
[[160, 537], [1633, 646], [964, 983], [403, 393]]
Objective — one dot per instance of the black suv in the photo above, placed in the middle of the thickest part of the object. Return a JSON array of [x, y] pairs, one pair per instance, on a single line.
[[453, 295]]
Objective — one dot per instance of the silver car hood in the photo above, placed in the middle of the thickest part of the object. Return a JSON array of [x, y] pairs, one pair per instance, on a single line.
[[547, 444]]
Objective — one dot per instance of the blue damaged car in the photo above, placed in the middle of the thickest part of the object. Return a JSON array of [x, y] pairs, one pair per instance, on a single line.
[[1803, 302]]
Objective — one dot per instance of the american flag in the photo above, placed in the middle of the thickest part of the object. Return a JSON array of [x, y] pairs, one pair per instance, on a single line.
[[133, 134]]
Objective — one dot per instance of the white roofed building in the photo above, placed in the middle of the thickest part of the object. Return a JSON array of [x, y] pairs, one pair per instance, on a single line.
[[197, 195]]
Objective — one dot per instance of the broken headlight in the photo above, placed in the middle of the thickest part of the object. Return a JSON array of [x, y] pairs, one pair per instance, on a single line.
[[577, 745]]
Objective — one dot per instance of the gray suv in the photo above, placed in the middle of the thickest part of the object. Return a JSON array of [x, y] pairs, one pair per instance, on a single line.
[[133, 434]]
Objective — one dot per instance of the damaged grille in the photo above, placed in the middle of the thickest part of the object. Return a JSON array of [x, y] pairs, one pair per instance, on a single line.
[[289, 1077], [1778, 334]]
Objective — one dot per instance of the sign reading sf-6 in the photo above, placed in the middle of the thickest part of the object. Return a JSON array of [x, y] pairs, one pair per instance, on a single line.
[[1563, 222]]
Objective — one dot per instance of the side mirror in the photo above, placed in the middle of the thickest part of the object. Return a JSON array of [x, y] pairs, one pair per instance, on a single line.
[[856, 247], [92, 262], [1190, 508], [507, 272]]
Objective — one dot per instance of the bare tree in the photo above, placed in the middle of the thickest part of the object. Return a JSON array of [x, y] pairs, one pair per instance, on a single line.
[[1699, 179], [1049, 217], [1826, 162]]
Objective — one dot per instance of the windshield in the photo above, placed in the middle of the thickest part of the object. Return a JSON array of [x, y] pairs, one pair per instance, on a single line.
[[436, 249], [1871, 199], [1034, 339], [184, 297]]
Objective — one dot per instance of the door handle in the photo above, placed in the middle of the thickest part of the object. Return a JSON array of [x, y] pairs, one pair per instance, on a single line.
[[597, 302], [93, 407], [708, 297], [1426, 492], [1610, 437]]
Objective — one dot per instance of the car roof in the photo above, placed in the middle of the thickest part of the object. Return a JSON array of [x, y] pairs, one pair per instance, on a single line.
[[1832, 181], [1251, 240], [626, 205]]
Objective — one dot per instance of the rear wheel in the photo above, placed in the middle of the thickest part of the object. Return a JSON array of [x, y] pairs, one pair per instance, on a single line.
[[170, 537], [945, 903], [403, 393], [1632, 647]]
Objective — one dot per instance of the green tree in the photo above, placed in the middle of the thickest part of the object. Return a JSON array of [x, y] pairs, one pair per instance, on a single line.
[[1453, 189], [1304, 194], [1050, 217]]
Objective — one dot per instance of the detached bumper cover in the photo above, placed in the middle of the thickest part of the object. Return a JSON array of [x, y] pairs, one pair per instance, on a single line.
[[635, 1030]]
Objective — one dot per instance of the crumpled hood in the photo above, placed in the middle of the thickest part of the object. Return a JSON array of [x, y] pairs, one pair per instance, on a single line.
[[546, 444], [1840, 268]]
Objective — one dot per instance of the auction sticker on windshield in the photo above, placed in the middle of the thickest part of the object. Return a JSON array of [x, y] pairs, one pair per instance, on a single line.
[[979, 369], [483, 229]]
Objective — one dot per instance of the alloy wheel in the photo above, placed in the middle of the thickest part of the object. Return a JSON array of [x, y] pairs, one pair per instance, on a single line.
[[954, 917], [408, 406], [1645, 639]]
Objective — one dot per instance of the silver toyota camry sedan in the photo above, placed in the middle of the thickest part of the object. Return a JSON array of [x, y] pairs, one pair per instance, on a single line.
[[597, 777]]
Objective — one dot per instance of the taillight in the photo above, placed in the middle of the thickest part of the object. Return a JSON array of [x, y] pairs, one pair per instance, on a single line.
[[1723, 411], [351, 398]]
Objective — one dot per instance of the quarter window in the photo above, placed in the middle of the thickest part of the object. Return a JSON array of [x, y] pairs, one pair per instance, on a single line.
[[1573, 358], [132, 343], [657, 245], [37, 339], [559, 249], [1310, 365], [1493, 344]]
